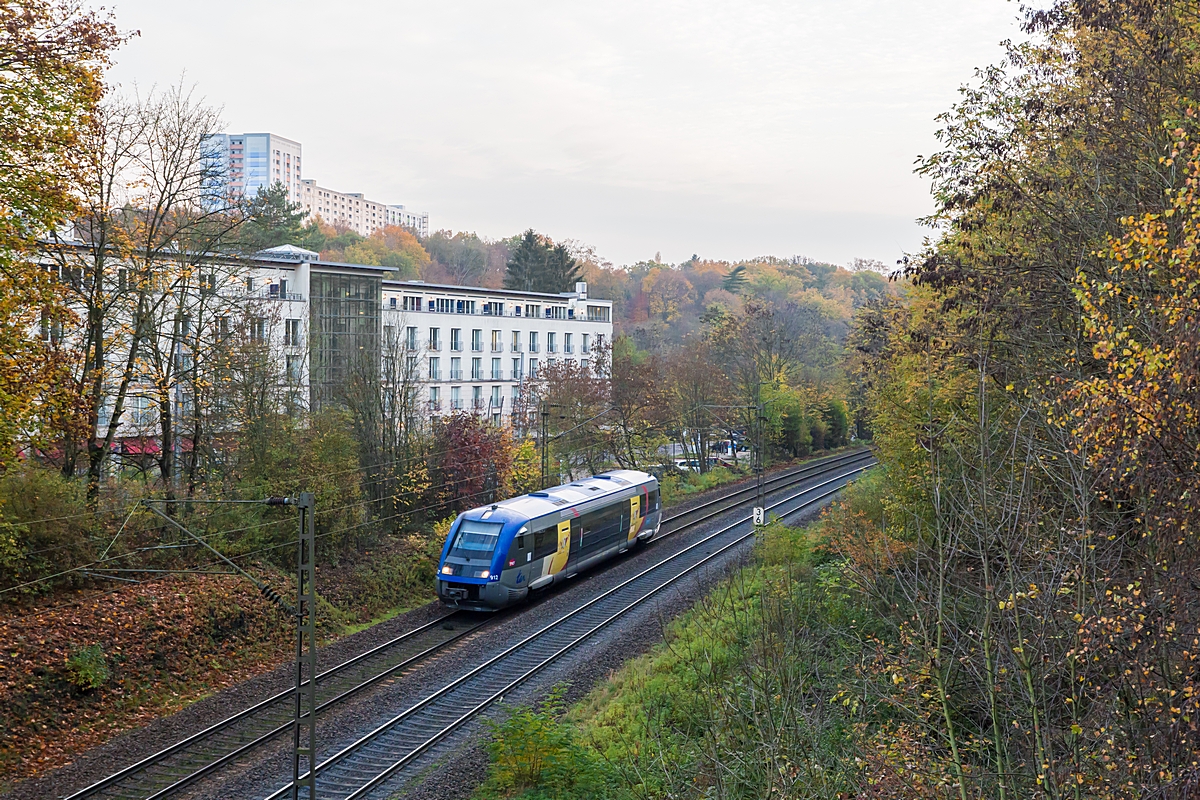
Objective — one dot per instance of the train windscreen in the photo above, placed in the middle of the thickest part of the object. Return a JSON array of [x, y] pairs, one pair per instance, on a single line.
[[476, 541]]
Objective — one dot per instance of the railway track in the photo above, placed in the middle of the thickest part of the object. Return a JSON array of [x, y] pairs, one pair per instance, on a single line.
[[201, 755]]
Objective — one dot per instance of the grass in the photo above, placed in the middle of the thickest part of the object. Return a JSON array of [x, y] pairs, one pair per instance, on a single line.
[[750, 694]]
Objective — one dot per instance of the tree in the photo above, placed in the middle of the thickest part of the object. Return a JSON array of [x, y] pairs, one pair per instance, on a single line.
[[271, 220], [536, 264], [52, 56], [392, 246], [525, 263], [149, 221], [668, 292], [463, 255], [562, 271], [735, 280]]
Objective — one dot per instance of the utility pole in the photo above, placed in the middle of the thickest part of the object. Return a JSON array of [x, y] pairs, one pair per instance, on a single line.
[[304, 739], [304, 732]]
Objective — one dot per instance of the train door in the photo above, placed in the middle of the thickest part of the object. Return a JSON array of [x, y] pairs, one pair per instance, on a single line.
[[635, 517], [564, 548]]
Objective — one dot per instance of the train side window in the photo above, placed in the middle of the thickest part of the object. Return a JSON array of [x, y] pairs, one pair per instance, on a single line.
[[652, 505], [545, 542]]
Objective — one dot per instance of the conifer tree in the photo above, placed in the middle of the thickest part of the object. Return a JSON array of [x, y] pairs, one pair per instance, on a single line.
[[539, 265], [526, 263]]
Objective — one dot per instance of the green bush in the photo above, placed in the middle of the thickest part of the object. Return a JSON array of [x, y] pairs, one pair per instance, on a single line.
[[87, 667], [534, 755], [45, 526]]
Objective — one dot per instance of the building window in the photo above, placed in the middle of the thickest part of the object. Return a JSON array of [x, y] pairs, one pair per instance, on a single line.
[[456, 369], [291, 332], [585, 350], [497, 400], [551, 342], [516, 341], [583, 362], [435, 369], [567, 346], [435, 398], [533, 341], [477, 397], [516, 373], [411, 338], [598, 314], [533, 368], [533, 310], [497, 373], [294, 366], [476, 341], [456, 339], [497, 344], [435, 339], [258, 329], [476, 369], [456, 398]]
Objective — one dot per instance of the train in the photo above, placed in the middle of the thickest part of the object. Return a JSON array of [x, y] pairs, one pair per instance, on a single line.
[[497, 555]]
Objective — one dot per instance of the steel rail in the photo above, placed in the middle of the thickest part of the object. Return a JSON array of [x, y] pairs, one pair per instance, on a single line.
[[715, 507], [367, 740]]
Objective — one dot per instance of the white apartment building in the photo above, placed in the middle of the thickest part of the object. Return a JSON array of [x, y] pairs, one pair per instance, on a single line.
[[352, 210], [258, 160], [474, 350], [471, 349]]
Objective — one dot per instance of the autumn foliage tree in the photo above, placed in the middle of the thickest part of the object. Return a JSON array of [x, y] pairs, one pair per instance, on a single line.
[[52, 57]]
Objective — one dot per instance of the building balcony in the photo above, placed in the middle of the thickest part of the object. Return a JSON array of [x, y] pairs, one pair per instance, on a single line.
[[585, 350], [435, 405], [456, 374], [435, 374], [551, 348], [477, 347], [497, 375], [456, 405], [479, 404], [477, 376], [568, 348], [533, 348], [434, 345], [497, 348], [516, 348], [456, 347]]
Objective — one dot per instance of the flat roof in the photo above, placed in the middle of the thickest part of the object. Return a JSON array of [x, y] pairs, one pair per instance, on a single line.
[[414, 286]]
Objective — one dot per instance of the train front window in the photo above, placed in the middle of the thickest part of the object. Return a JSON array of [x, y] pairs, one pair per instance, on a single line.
[[476, 541]]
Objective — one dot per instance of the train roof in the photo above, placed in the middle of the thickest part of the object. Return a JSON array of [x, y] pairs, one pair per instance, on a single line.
[[573, 494]]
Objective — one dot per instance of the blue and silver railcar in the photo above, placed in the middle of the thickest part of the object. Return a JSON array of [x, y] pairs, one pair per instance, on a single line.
[[496, 555]]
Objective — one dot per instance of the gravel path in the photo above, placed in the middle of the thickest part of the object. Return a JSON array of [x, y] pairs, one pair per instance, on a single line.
[[585, 666]]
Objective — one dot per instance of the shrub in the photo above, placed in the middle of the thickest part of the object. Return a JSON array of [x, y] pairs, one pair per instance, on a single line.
[[87, 667], [44, 525], [536, 755]]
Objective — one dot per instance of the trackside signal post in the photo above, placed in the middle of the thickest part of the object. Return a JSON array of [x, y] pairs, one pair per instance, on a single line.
[[760, 500], [304, 732]]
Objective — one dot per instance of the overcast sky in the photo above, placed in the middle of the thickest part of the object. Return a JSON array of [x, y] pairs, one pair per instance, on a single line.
[[726, 129]]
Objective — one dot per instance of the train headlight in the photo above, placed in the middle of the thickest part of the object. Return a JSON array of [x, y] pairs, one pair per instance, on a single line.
[[485, 574], [447, 570]]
